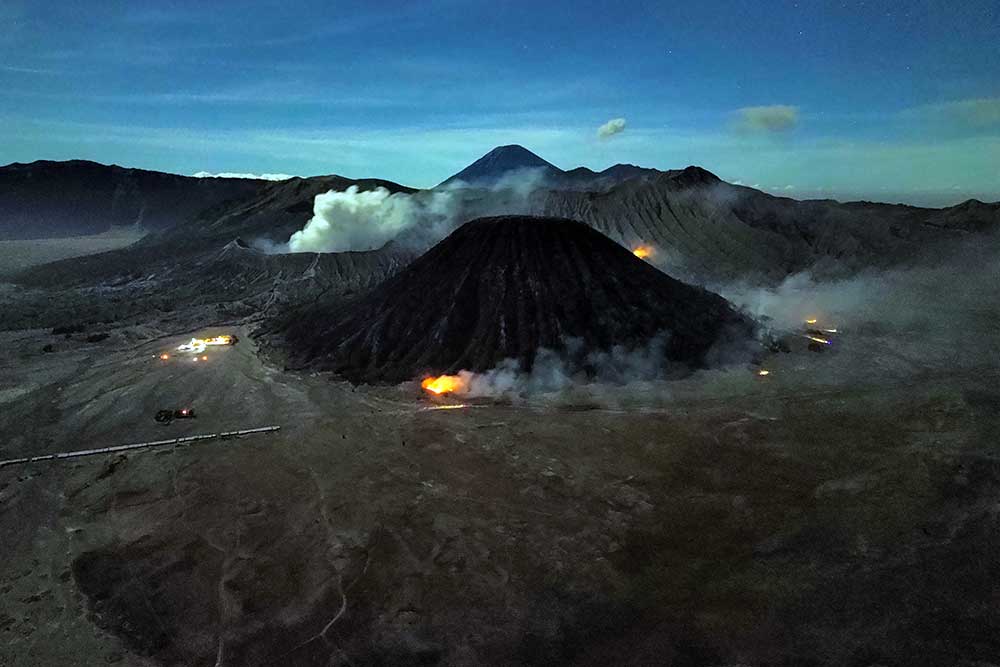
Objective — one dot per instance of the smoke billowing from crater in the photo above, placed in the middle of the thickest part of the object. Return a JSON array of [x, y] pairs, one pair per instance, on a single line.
[[353, 219], [366, 220]]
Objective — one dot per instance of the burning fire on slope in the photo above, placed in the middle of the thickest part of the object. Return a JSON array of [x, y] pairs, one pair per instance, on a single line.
[[443, 384], [643, 251], [198, 345]]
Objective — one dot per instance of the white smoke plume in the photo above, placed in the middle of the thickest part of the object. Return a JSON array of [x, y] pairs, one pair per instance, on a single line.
[[356, 220], [366, 220], [575, 369], [611, 128]]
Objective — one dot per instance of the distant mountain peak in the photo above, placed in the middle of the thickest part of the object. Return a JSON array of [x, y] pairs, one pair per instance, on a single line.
[[502, 160], [515, 152], [499, 161]]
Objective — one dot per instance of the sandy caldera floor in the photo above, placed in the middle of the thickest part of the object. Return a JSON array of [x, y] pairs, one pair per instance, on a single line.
[[798, 519]]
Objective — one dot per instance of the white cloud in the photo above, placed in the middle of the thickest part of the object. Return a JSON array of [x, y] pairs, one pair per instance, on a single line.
[[772, 118], [230, 174], [611, 128]]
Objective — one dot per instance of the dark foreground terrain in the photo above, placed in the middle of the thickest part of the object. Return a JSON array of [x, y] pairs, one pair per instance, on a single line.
[[810, 517], [841, 510]]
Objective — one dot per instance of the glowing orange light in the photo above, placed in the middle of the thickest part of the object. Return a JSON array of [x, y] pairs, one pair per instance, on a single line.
[[198, 345], [204, 358], [443, 384], [811, 320], [643, 251], [164, 356]]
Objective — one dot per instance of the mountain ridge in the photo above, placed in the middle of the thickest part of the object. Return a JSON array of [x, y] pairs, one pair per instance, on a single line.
[[50, 199], [506, 160]]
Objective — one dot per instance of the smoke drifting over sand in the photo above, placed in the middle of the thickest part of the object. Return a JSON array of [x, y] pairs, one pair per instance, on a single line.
[[935, 316], [920, 294], [552, 372], [893, 326], [366, 220], [603, 379]]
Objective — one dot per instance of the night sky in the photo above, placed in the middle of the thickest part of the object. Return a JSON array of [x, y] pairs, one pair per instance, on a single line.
[[885, 100]]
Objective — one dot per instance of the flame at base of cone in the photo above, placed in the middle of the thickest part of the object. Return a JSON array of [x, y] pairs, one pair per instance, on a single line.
[[443, 384], [643, 251]]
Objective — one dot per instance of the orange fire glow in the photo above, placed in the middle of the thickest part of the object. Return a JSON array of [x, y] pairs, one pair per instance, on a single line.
[[643, 251], [198, 345], [443, 384], [811, 320], [164, 356]]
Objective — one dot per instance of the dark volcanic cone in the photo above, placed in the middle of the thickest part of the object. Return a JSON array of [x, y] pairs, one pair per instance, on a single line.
[[504, 287]]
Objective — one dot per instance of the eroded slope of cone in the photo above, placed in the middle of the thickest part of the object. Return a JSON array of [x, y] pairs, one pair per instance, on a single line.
[[504, 287]]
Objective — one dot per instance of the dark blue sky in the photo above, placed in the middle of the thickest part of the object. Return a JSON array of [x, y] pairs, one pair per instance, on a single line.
[[896, 100]]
